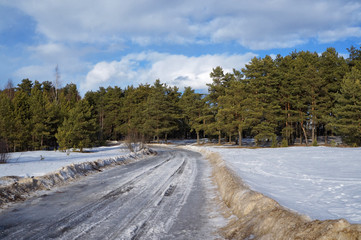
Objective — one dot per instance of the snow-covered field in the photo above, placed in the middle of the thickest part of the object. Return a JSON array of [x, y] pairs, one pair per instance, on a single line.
[[321, 182], [39, 163]]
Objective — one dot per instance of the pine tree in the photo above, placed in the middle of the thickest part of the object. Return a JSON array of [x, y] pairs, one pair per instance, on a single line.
[[192, 107], [78, 130], [38, 116], [332, 69], [133, 113], [348, 108], [214, 121], [22, 119], [161, 112], [7, 120], [287, 99], [112, 103], [260, 75]]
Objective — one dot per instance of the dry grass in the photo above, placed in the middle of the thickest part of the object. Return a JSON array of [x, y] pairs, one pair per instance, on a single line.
[[260, 217]]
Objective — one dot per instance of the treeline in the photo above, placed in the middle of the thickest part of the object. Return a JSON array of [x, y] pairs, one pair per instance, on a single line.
[[37, 115], [297, 97]]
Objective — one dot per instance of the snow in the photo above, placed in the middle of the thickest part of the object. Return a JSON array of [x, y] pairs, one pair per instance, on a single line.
[[39, 163], [321, 182]]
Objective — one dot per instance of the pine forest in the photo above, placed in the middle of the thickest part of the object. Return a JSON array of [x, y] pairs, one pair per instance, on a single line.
[[284, 100]]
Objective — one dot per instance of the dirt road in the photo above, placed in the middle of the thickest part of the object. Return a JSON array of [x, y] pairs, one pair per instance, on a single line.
[[163, 197]]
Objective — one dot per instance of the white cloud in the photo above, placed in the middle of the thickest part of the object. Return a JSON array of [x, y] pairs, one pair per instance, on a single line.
[[259, 24], [175, 70], [43, 59], [339, 34]]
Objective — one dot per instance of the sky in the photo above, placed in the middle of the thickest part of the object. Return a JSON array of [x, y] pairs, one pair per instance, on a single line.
[[101, 43]]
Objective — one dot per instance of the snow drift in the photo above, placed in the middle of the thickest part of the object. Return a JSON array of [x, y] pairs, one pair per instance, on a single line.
[[21, 188], [260, 217]]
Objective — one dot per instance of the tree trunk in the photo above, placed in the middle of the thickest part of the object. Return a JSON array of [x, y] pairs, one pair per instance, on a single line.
[[239, 137], [305, 134], [219, 137], [197, 137]]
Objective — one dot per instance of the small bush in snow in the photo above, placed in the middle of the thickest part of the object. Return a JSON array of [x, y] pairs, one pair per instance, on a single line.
[[4, 152], [134, 141], [274, 142], [284, 143]]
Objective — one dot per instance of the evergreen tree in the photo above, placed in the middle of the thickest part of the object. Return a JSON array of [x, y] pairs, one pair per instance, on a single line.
[[112, 101], [215, 121], [354, 59], [22, 115], [161, 112], [78, 130], [193, 108], [7, 120], [287, 100], [260, 75], [332, 69], [237, 106], [38, 116], [132, 117], [348, 108]]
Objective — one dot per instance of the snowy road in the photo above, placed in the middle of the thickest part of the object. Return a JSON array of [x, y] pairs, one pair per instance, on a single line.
[[162, 197]]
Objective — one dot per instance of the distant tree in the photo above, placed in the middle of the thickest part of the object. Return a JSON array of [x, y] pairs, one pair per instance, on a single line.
[[57, 83], [10, 89], [348, 108], [7, 120], [216, 89], [161, 110], [192, 106], [25, 86], [38, 113], [112, 104], [264, 87], [22, 117], [133, 114], [332, 69], [78, 130], [354, 59]]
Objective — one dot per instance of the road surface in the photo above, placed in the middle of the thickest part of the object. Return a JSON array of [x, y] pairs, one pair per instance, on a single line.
[[162, 197]]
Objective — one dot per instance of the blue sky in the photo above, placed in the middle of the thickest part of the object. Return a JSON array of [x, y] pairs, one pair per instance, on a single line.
[[109, 42]]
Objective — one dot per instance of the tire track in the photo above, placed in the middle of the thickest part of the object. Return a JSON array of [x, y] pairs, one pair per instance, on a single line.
[[141, 201], [70, 221]]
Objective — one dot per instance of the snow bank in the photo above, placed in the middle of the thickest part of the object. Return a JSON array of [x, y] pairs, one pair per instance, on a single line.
[[321, 182], [260, 217], [21, 188], [38, 163]]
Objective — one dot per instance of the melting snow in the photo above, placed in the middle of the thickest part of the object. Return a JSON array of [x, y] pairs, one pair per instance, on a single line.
[[39, 163], [322, 182]]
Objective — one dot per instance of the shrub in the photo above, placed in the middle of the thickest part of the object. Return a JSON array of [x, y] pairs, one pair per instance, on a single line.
[[284, 143], [4, 152], [274, 142]]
